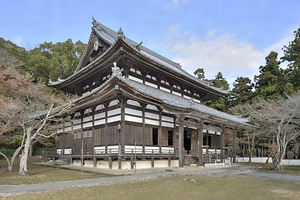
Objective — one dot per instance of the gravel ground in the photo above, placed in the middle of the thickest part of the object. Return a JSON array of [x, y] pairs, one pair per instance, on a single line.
[[294, 178], [10, 190]]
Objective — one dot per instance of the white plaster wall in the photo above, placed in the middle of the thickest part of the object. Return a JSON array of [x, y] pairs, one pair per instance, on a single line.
[[174, 163], [140, 164], [102, 164], [290, 162], [68, 151], [160, 163], [88, 163], [77, 162], [143, 164], [126, 164], [264, 159], [114, 165]]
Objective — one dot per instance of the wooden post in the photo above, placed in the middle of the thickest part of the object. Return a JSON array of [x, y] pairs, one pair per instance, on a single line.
[[122, 105], [200, 143], [71, 160], [134, 156], [234, 146], [109, 162], [152, 159], [222, 143], [119, 157], [132, 162], [82, 161], [94, 161], [143, 121], [160, 130], [180, 140]]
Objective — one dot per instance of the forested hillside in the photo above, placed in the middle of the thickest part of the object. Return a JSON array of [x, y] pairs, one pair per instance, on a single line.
[[24, 75]]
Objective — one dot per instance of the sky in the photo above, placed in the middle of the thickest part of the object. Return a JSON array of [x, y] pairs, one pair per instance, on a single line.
[[228, 36]]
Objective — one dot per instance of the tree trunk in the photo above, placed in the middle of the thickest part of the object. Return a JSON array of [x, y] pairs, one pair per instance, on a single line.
[[276, 160], [267, 161], [10, 162], [30, 150], [24, 157], [9, 165], [250, 153]]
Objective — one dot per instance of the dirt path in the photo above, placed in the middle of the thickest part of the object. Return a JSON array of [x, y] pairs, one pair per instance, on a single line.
[[10, 190]]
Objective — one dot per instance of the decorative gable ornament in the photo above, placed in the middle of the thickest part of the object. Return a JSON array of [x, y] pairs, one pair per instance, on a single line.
[[116, 71], [121, 34]]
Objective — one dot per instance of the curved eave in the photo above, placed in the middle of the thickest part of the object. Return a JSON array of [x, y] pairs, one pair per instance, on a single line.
[[177, 104], [121, 47], [111, 55], [170, 102], [110, 36], [137, 54]]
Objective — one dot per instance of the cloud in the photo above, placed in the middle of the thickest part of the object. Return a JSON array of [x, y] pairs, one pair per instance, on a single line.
[[175, 3], [214, 53]]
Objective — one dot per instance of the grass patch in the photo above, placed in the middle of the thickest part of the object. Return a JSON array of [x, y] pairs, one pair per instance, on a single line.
[[293, 170], [180, 187], [41, 174]]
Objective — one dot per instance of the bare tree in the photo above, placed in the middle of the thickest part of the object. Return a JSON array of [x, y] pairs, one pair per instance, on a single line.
[[280, 122], [27, 109], [250, 138], [36, 127]]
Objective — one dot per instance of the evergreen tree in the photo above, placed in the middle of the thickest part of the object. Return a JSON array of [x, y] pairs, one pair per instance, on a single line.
[[220, 82], [220, 103], [53, 61], [268, 82], [242, 91], [199, 73], [292, 55]]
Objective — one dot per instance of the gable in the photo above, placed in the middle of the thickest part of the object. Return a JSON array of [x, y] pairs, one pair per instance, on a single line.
[[96, 46]]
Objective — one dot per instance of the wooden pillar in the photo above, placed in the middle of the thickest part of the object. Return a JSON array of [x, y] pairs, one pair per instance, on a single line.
[[180, 140], [222, 144], [105, 125], [132, 163], [81, 127], [109, 162], [200, 143], [152, 160], [122, 101], [121, 129], [234, 146], [119, 157], [160, 129], [143, 121], [94, 161]]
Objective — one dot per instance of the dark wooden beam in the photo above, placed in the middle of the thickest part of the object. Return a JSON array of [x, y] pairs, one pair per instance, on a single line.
[[180, 119], [200, 143]]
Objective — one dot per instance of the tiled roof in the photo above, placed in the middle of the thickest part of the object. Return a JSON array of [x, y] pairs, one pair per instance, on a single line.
[[111, 37], [170, 100], [176, 101]]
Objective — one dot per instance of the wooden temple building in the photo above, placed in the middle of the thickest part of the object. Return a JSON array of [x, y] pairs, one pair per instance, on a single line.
[[136, 107]]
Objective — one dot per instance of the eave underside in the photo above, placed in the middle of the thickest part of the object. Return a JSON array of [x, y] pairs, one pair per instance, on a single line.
[[119, 86], [121, 51]]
